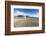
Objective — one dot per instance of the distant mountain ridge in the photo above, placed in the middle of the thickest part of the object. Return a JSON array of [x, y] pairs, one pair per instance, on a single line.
[[24, 16]]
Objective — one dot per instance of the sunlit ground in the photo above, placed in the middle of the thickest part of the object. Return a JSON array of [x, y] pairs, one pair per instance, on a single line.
[[28, 22]]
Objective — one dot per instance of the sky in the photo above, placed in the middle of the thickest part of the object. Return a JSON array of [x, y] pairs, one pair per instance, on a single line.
[[26, 12]]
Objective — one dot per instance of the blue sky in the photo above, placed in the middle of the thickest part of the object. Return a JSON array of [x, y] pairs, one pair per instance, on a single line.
[[26, 12]]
